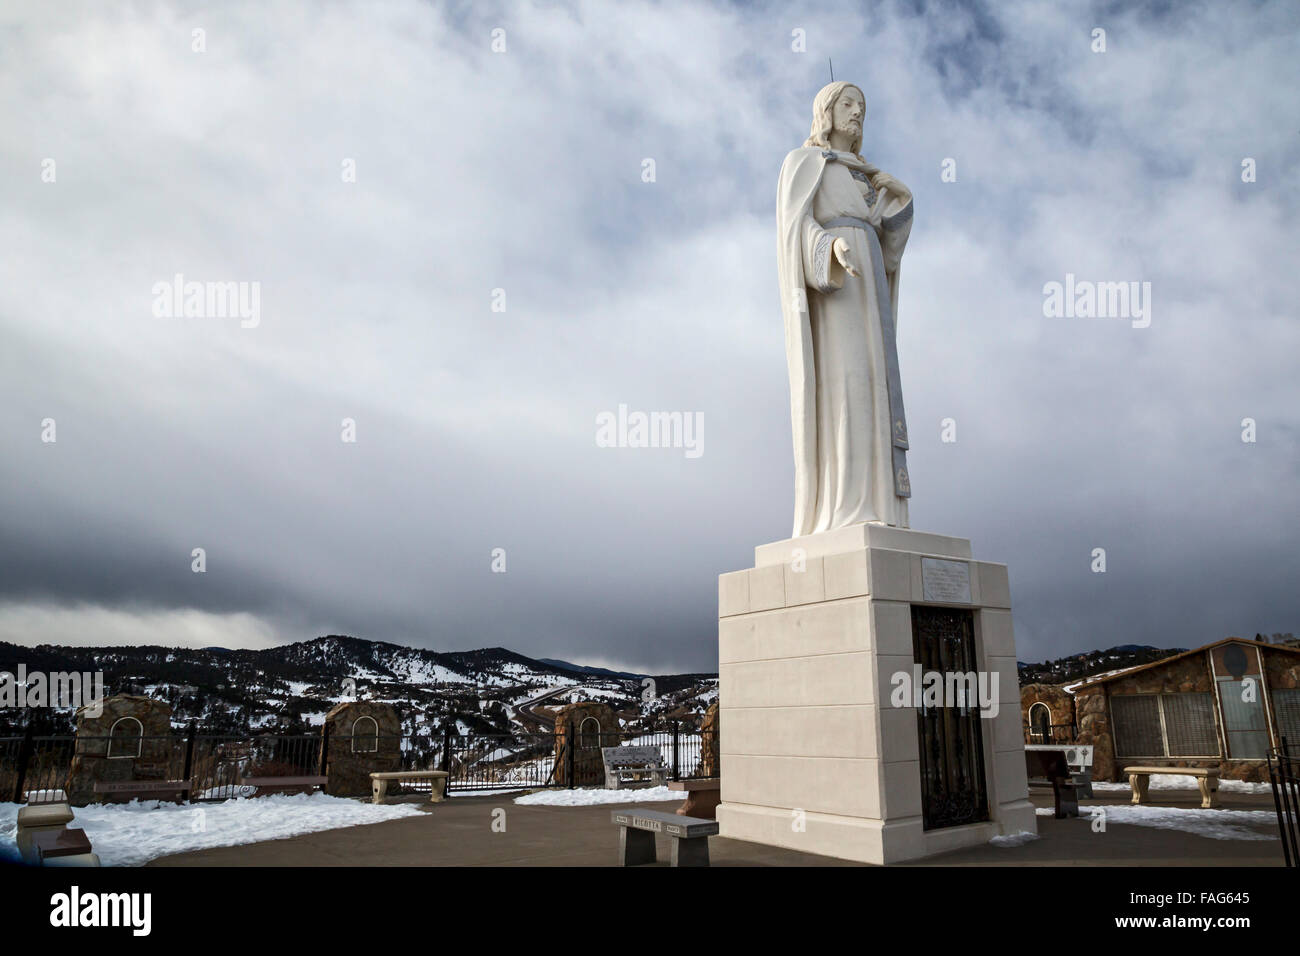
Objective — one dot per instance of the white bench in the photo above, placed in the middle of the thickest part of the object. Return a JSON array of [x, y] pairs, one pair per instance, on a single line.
[[379, 783], [640, 764], [1139, 778]]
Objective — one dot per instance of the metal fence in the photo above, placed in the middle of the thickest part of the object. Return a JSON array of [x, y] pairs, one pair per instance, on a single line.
[[567, 757], [1053, 734], [1284, 775], [37, 769]]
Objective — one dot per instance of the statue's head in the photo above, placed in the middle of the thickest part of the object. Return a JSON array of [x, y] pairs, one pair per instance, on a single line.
[[839, 107]]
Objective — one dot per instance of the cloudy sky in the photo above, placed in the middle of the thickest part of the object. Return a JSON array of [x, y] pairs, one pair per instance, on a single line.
[[128, 157]]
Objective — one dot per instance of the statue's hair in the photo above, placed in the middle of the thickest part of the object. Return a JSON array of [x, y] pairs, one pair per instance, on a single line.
[[823, 119]]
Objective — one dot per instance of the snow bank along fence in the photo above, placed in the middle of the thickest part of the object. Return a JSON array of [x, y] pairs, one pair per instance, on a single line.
[[569, 756]]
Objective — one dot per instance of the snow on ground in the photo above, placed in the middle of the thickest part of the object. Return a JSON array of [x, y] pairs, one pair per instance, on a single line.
[[1182, 781], [597, 797], [129, 834], [1014, 839], [1214, 824]]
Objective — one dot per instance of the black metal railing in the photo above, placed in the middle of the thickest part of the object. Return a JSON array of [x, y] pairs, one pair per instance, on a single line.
[[219, 764], [1053, 734], [39, 769], [567, 757], [1284, 776]]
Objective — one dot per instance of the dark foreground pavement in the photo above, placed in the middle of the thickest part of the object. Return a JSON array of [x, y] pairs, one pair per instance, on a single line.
[[459, 832]]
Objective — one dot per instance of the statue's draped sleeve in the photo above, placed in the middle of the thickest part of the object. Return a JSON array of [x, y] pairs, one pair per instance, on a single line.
[[799, 238], [895, 227], [822, 271]]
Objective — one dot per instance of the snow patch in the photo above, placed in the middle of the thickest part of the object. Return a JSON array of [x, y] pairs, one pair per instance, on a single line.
[[1212, 824], [1014, 839], [130, 834], [598, 797]]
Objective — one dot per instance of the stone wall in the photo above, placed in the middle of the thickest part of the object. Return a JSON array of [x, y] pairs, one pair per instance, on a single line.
[[1281, 670], [349, 762], [1187, 675], [1093, 715], [159, 757], [709, 731], [588, 767], [1052, 696]]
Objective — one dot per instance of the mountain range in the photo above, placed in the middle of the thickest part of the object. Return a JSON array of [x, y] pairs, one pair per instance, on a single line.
[[289, 688]]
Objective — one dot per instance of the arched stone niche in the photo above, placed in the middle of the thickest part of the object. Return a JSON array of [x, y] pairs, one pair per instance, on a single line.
[[130, 740], [363, 739], [595, 725]]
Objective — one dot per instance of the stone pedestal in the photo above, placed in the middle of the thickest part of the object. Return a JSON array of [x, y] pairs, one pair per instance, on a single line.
[[816, 756]]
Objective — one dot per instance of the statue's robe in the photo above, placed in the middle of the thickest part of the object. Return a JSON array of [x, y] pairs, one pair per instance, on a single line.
[[846, 401]]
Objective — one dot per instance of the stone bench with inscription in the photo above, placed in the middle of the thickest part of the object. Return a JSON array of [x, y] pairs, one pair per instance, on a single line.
[[146, 789], [637, 829], [1051, 765], [633, 764]]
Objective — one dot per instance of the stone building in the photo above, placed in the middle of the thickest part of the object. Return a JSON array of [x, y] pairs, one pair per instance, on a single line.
[[1223, 705], [364, 738], [594, 725], [129, 741]]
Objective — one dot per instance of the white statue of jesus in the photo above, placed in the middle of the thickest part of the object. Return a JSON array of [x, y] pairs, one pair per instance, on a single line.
[[842, 225]]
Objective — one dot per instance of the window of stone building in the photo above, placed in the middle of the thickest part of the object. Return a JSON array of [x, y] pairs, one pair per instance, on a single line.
[[1137, 726], [589, 734], [1286, 715], [125, 737], [1040, 724], [1164, 725], [365, 735], [1189, 725], [1244, 722]]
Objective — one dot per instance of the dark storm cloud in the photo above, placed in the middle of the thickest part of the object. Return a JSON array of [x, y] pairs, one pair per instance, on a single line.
[[522, 171]]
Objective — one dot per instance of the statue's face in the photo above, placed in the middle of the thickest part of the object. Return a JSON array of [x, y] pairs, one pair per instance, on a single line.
[[847, 113]]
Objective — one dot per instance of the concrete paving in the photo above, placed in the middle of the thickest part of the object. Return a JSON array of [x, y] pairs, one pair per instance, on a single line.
[[459, 832]]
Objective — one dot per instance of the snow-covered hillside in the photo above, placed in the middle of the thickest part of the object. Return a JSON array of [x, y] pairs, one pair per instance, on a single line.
[[290, 688]]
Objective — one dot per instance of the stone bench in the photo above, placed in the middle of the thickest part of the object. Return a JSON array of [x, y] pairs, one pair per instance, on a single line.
[[67, 847], [639, 764], [1079, 757], [379, 783], [175, 789], [36, 820], [283, 784], [702, 797], [1052, 766], [1139, 779], [636, 839]]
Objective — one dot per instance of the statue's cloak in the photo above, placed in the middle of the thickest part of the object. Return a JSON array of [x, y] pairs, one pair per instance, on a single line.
[[801, 175]]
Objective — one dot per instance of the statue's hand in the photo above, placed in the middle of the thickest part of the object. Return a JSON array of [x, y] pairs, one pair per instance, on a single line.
[[843, 256], [886, 181]]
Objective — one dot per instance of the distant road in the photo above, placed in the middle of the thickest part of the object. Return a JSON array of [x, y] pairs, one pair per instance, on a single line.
[[543, 721]]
